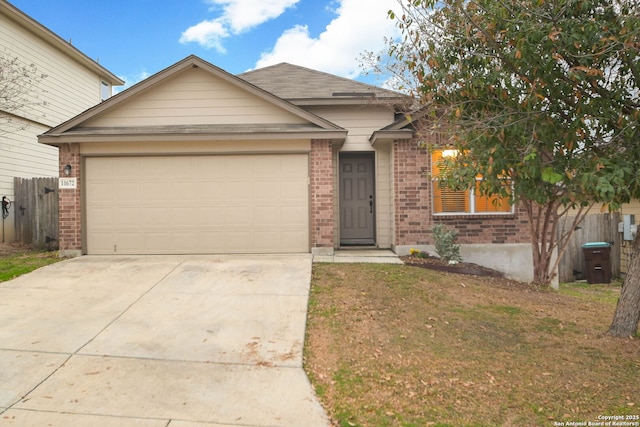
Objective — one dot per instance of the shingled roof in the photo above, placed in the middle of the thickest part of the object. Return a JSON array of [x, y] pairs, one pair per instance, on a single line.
[[304, 86]]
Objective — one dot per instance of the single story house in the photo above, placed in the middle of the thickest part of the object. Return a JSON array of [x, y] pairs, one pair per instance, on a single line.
[[282, 159]]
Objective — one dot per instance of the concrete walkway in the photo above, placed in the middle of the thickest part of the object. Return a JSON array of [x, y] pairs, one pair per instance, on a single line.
[[179, 341], [377, 256]]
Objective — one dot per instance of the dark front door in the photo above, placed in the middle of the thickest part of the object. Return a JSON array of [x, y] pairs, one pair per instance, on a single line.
[[357, 204]]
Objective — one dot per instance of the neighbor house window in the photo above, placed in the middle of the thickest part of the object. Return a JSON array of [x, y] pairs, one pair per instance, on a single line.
[[447, 201], [105, 90]]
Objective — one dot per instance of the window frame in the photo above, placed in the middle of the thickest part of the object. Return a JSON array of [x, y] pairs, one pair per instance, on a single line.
[[469, 199]]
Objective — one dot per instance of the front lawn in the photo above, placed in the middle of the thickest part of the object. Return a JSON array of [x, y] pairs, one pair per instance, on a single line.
[[15, 261], [391, 345]]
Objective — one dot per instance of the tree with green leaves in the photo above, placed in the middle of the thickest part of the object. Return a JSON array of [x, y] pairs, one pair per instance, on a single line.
[[542, 98]]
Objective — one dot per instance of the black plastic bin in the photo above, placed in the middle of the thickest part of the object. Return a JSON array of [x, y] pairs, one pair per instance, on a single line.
[[597, 259]]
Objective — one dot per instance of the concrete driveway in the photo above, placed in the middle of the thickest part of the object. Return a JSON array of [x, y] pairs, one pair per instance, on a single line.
[[179, 341]]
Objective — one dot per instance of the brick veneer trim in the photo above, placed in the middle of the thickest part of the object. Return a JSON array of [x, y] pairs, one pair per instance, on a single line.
[[70, 218], [322, 216]]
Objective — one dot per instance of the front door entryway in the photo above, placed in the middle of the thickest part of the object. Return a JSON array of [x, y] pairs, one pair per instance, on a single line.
[[357, 203]]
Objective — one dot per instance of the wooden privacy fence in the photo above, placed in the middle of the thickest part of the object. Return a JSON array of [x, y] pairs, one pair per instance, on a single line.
[[594, 228], [36, 212]]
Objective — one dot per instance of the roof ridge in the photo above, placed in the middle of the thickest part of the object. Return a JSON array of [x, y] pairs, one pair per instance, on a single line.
[[293, 81], [339, 77]]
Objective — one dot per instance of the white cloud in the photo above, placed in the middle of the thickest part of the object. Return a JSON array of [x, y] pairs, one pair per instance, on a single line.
[[359, 25], [237, 16], [243, 15], [130, 81], [208, 34]]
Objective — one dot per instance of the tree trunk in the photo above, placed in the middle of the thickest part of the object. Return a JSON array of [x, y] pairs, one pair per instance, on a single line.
[[545, 237], [541, 264], [627, 315], [542, 221]]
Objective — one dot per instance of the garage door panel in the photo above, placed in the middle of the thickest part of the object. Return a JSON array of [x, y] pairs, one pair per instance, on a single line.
[[214, 241], [239, 190], [126, 168], [184, 241], [100, 192], [238, 167], [208, 168], [292, 169], [159, 168], [126, 192], [212, 191], [182, 217], [293, 238], [101, 216], [154, 217], [183, 191], [265, 240], [268, 215], [238, 241], [294, 216], [268, 167], [197, 204], [154, 191], [128, 241], [239, 216], [294, 190], [213, 216]]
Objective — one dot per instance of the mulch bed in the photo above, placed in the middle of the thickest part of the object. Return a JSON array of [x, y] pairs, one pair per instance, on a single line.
[[437, 264]]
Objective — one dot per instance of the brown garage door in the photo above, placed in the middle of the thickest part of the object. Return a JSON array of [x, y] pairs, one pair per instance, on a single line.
[[197, 204]]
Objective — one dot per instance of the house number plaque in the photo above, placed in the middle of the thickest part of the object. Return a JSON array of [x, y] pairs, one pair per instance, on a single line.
[[67, 183]]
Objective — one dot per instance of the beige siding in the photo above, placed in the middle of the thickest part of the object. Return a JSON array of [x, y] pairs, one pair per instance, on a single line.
[[68, 88], [195, 97], [336, 200], [632, 208], [384, 196], [361, 121], [23, 157]]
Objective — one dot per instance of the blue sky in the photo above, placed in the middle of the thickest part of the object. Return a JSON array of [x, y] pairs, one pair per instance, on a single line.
[[137, 38]]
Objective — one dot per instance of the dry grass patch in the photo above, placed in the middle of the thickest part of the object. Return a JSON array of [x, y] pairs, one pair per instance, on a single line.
[[392, 345]]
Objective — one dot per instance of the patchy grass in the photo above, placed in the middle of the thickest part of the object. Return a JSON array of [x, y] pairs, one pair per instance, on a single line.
[[16, 262], [606, 293], [391, 345]]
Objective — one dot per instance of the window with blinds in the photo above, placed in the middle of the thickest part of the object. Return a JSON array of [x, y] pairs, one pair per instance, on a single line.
[[447, 201]]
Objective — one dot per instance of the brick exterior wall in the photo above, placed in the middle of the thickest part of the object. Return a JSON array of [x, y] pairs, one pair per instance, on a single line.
[[322, 216], [413, 212], [70, 218], [412, 193]]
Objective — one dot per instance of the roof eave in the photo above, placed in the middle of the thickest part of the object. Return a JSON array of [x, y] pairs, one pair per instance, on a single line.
[[67, 138], [390, 135]]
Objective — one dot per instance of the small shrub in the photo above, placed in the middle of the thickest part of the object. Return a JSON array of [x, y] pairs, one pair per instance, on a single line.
[[418, 253], [445, 244]]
